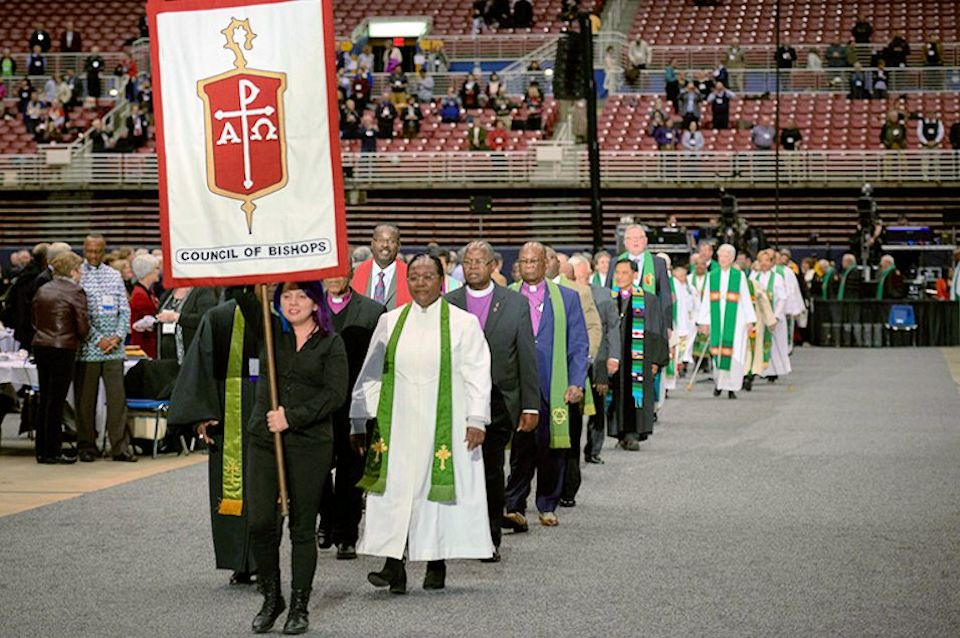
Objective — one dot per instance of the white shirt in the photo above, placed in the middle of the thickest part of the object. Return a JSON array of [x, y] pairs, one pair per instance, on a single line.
[[388, 274]]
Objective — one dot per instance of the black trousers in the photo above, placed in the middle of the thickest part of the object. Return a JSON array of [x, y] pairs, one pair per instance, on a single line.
[[596, 424], [341, 504], [531, 456], [305, 461], [495, 443], [571, 475], [55, 371]]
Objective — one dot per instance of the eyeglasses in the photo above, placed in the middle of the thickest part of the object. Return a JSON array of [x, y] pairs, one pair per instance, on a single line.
[[529, 262], [476, 262]]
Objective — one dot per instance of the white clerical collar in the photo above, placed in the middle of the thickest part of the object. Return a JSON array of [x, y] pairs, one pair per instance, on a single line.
[[533, 287], [429, 308], [388, 271], [556, 279], [476, 294], [636, 257]]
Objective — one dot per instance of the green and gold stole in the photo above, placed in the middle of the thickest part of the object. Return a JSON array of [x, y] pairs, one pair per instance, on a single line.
[[723, 333], [637, 333], [672, 366], [882, 280], [231, 500], [559, 412], [825, 288], [767, 334], [374, 479], [596, 280], [843, 282], [589, 409], [648, 280]]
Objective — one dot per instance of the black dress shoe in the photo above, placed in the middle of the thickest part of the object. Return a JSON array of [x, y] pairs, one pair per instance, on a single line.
[[69, 452], [57, 460], [297, 620], [716, 392], [87, 456], [493, 559], [346, 551], [594, 459], [748, 383], [243, 578], [324, 538], [568, 502], [436, 576], [273, 606], [772, 379], [393, 575], [731, 394], [126, 457]]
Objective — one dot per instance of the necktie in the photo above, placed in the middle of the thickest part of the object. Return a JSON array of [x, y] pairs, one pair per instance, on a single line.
[[380, 291]]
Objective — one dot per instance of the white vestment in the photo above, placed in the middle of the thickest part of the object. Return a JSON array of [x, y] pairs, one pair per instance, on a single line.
[[695, 288], [683, 332], [402, 517], [731, 379], [779, 349]]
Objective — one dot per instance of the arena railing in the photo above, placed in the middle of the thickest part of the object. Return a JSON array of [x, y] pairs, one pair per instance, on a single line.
[[108, 83], [58, 63], [540, 166], [515, 82], [908, 80]]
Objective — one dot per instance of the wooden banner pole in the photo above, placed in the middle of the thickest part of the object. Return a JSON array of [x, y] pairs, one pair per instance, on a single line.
[[274, 399]]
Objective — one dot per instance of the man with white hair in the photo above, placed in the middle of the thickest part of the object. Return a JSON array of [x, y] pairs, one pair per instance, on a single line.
[[766, 278], [889, 281], [45, 277], [726, 315], [651, 272]]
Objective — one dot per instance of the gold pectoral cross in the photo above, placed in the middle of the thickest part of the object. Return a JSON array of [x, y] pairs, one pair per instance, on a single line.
[[379, 448], [443, 454]]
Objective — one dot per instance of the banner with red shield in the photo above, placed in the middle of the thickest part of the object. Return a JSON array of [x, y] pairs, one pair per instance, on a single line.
[[251, 187]]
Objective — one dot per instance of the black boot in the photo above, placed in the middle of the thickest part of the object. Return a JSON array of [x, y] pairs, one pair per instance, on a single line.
[[273, 605], [297, 619], [716, 392], [393, 575], [731, 394], [436, 575], [748, 383]]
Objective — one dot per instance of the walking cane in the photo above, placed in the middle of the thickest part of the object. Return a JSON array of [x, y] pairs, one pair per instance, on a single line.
[[696, 369]]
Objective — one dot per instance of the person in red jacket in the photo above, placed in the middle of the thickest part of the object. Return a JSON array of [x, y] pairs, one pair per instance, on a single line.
[[143, 304], [383, 277]]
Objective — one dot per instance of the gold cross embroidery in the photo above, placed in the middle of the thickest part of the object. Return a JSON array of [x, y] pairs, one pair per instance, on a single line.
[[443, 454], [379, 448]]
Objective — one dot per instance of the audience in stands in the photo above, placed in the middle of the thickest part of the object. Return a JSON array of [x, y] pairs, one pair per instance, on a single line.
[[412, 115], [522, 14], [492, 91], [534, 103], [365, 60], [786, 56], [611, 71], [362, 87], [392, 58], [763, 134], [858, 84], [719, 101], [735, 61], [663, 134], [398, 87], [93, 67], [836, 56], [476, 136], [97, 136], [40, 38], [862, 30], [639, 53], [425, 86], [930, 132], [933, 52], [955, 136], [137, 127], [881, 80], [368, 133], [470, 92], [36, 62], [672, 84], [498, 137], [349, 120], [893, 134], [692, 139], [814, 61], [8, 66], [898, 51], [791, 138], [386, 116], [690, 105], [450, 108], [503, 107], [704, 84], [70, 40]]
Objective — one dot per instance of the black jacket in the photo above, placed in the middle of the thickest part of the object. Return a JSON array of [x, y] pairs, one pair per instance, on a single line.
[[513, 354], [312, 384]]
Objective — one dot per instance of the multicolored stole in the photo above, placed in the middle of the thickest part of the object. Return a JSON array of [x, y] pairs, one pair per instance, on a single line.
[[723, 332], [648, 280], [442, 489], [637, 321], [231, 498]]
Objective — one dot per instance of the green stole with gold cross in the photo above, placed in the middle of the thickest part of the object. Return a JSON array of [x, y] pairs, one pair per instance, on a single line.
[[231, 499], [442, 489], [723, 333]]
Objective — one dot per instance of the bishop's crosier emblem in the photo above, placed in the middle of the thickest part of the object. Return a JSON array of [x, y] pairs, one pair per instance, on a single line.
[[244, 126]]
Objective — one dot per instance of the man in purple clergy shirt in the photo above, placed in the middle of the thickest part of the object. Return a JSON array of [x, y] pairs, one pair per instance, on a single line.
[[504, 316], [531, 452]]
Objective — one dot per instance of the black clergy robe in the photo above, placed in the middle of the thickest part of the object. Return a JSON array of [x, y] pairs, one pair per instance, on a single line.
[[200, 394], [625, 419]]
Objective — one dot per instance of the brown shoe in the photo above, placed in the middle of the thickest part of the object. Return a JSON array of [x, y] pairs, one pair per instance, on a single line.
[[515, 521], [549, 519]]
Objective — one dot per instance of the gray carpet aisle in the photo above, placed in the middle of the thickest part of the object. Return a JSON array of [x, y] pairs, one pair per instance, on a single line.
[[830, 507]]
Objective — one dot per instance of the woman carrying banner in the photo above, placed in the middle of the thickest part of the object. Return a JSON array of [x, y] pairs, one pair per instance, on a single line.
[[312, 383]]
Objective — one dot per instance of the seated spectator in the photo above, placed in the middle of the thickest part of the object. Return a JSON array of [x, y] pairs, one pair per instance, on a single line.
[[893, 135], [955, 136], [398, 87], [143, 304], [858, 84], [65, 88], [7, 113], [36, 63], [503, 107], [791, 138], [450, 108], [498, 137], [386, 116], [763, 134], [836, 56], [786, 56], [70, 41], [933, 52], [881, 80], [349, 120], [492, 90], [411, 118], [56, 123], [719, 101], [34, 113], [690, 105], [534, 103], [862, 30], [930, 132], [898, 51], [663, 134], [692, 139], [40, 38], [658, 109], [476, 136], [522, 14], [470, 92], [8, 66], [851, 54], [424, 87], [639, 53]]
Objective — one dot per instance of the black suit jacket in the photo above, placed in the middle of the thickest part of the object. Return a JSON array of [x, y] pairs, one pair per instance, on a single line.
[[663, 291], [513, 354], [355, 324]]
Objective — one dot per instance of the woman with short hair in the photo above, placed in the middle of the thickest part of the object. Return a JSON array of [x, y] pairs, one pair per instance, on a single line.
[[143, 304]]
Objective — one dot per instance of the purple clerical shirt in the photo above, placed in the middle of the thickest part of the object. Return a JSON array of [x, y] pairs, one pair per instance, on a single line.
[[337, 304], [478, 303], [535, 295]]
